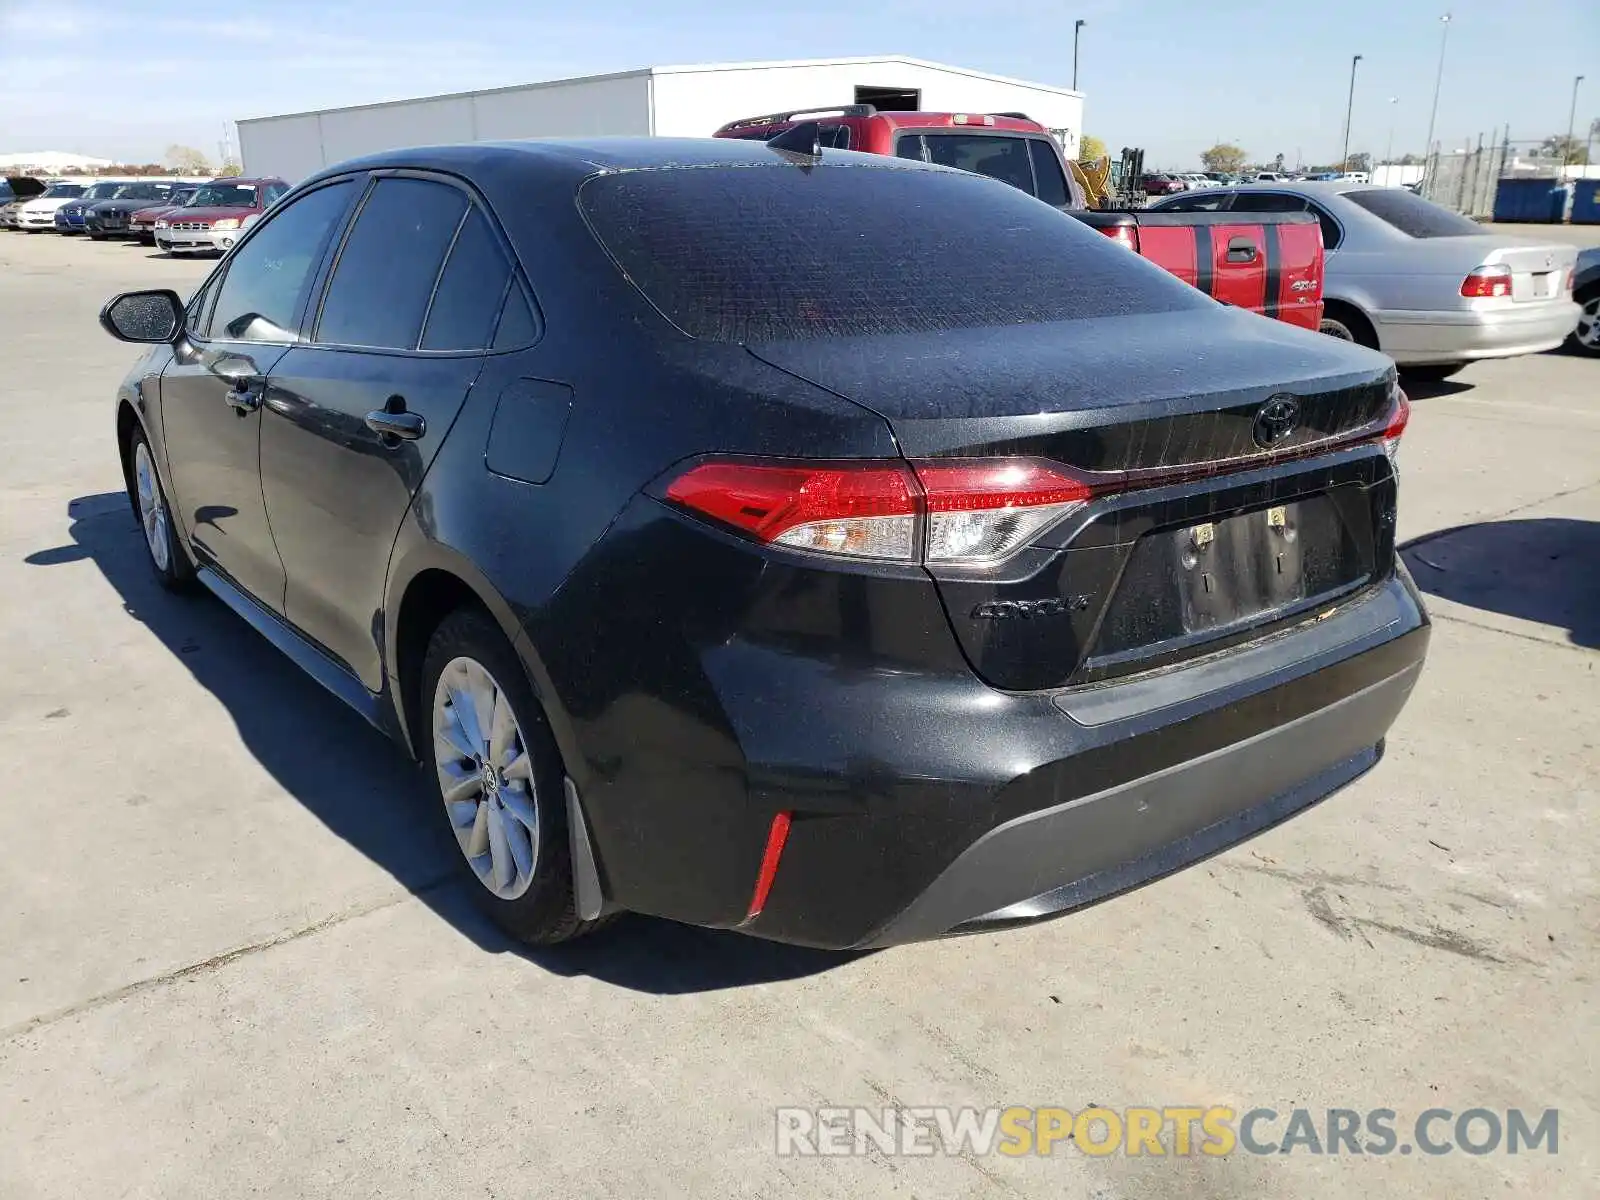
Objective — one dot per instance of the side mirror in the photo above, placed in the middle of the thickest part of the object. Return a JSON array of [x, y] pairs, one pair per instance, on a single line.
[[153, 317]]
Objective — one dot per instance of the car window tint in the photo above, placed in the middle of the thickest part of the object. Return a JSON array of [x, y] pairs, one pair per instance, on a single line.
[[1248, 201], [1332, 235], [748, 254], [1411, 214], [386, 271], [1199, 202], [267, 279], [470, 290], [908, 146], [1002, 158], [518, 327], [1050, 183]]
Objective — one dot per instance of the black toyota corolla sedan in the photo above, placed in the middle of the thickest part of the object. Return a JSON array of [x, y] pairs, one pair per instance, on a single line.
[[837, 548]]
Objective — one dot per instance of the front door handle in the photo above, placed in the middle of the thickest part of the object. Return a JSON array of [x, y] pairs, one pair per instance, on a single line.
[[244, 397], [408, 426]]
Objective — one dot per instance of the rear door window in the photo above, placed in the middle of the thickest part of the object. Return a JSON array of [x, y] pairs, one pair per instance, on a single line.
[[1332, 234], [1199, 202], [387, 268], [1265, 202], [1411, 214]]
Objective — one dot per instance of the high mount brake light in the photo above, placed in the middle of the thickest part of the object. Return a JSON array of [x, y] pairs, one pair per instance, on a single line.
[[959, 511], [1487, 281]]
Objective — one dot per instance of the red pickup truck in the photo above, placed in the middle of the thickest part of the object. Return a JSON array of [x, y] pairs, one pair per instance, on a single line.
[[1270, 263]]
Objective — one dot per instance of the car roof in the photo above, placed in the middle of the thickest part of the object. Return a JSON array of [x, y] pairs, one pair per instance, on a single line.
[[581, 157]]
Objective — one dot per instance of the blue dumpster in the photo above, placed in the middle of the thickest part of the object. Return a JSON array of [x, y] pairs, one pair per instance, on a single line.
[[1586, 202], [1539, 200]]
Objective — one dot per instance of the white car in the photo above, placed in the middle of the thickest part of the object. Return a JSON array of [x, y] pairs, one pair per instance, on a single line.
[[1271, 177], [39, 214], [1196, 180]]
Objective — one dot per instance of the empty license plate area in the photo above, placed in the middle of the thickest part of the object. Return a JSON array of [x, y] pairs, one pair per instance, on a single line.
[[1195, 582]]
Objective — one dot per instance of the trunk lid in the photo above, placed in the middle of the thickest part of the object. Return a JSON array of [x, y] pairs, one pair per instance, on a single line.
[[1199, 535], [1538, 269]]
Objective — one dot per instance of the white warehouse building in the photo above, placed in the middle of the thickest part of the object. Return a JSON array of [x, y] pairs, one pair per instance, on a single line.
[[655, 101]]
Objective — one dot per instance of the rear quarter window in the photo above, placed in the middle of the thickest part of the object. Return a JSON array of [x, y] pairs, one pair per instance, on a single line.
[[1411, 214], [754, 254]]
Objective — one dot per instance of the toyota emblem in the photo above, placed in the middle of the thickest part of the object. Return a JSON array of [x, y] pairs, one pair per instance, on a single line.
[[1279, 417]]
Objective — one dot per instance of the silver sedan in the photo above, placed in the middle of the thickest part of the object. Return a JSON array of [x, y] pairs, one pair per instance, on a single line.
[[1428, 287]]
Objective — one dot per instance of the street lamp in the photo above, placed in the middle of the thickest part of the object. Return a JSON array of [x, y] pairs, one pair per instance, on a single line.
[[1349, 109], [1571, 113], [1388, 152], [1077, 28], [1438, 79]]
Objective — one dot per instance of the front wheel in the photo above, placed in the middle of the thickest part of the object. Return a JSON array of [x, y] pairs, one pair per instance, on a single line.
[[1585, 339], [499, 775], [168, 559]]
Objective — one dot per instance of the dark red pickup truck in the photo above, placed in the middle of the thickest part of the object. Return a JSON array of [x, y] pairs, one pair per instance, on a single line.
[[1270, 263]]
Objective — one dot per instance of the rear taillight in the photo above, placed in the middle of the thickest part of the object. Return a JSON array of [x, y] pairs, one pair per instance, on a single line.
[[1572, 280], [1124, 235], [1395, 429], [961, 511], [1488, 281]]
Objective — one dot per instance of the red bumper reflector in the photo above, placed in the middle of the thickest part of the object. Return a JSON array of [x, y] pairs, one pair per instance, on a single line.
[[776, 837]]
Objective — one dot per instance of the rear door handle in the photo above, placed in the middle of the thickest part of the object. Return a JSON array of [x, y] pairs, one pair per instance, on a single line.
[[407, 426], [1242, 250]]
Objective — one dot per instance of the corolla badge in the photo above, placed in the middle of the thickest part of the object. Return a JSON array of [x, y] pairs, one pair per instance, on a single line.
[[1278, 418]]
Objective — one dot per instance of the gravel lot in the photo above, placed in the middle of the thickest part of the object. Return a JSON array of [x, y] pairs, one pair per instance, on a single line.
[[233, 962]]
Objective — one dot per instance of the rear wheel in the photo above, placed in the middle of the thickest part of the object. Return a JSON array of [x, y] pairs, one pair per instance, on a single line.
[[1348, 325], [1432, 372], [1585, 339], [500, 778]]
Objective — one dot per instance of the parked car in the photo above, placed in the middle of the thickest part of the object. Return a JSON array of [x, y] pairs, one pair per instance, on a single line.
[[142, 221], [110, 218], [1271, 177], [72, 217], [212, 219], [1157, 184], [1005, 146], [39, 213], [1585, 337], [842, 551], [1195, 180], [19, 189], [1431, 289]]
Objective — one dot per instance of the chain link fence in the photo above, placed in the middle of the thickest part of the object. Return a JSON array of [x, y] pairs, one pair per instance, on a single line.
[[1465, 180]]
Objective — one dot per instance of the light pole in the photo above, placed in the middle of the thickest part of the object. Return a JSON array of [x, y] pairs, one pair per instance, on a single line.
[[1077, 28], [1571, 113], [1438, 79], [1388, 151], [1349, 109]]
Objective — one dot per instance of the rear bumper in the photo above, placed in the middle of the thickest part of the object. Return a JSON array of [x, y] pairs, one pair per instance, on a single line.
[[1449, 337], [1072, 799]]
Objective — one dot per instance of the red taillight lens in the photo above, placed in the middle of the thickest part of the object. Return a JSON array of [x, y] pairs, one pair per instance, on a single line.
[[969, 511], [1484, 282], [866, 510], [1124, 235], [1398, 420]]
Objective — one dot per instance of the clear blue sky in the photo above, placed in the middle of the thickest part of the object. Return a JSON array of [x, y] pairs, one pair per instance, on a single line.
[[126, 79]]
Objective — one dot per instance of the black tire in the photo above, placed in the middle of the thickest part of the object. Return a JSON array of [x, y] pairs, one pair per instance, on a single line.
[[176, 574], [1348, 325], [546, 912], [97, 237], [1432, 372]]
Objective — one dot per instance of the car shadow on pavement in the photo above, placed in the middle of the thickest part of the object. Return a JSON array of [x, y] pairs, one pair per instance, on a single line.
[[363, 788], [1542, 569], [1430, 389]]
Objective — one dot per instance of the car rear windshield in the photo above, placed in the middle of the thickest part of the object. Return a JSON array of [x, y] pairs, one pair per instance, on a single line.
[[1411, 214], [748, 254], [233, 195]]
